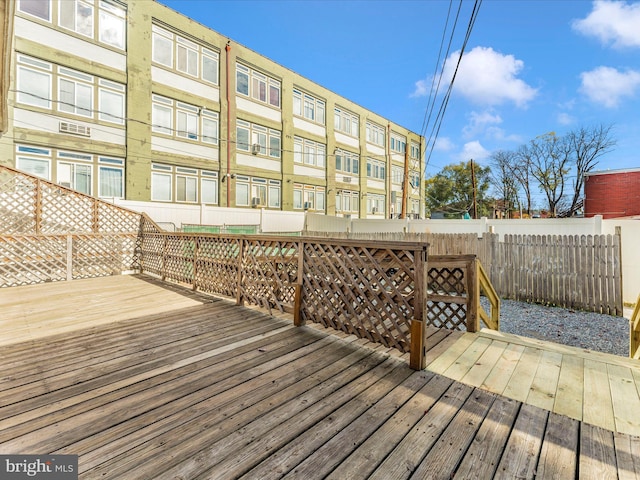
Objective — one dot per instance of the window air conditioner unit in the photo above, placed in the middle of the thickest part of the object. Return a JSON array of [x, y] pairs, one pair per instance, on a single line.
[[74, 129], [255, 202], [307, 205], [346, 179], [374, 210], [255, 148]]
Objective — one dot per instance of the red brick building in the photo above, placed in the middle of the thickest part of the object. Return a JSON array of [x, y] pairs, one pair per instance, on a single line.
[[612, 194]]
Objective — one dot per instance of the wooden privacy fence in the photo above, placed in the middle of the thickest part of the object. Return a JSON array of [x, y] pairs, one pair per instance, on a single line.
[[381, 291], [50, 233], [571, 271]]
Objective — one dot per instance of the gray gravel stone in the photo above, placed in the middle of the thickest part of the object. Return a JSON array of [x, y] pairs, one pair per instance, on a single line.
[[592, 331]]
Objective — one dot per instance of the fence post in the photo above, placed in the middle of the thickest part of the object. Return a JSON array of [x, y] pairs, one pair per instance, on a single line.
[[417, 355], [194, 272], [239, 298], [473, 296], [298, 321], [618, 285], [69, 257], [164, 257]]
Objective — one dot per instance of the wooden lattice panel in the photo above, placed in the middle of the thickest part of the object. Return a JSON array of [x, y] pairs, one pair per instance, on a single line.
[[102, 255], [367, 291], [449, 315], [269, 273], [179, 258], [116, 220], [17, 203], [64, 212], [217, 261], [31, 205], [446, 281], [151, 253], [28, 260]]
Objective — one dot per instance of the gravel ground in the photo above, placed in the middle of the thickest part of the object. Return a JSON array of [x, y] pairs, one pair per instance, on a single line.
[[593, 331]]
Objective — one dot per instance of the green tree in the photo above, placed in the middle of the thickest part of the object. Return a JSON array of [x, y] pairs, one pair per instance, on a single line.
[[451, 190]]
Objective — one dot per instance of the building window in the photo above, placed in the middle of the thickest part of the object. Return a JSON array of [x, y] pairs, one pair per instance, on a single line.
[[311, 108], [258, 140], [191, 58], [34, 82], [397, 174], [72, 174], [76, 92], [37, 8], [308, 197], [376, 169], [161, 177], [257, 192], [347, 162], [414, 179], [346, 122], [192, 185], [34, 160], [77, 16], [308, 152], [258, 86], [415, 150], [110, 177], [209, 187], [375, 134], [186, 185], [398, 144], [81, 17], [376, 204], [74, 170], [188, 119], [347, 202]]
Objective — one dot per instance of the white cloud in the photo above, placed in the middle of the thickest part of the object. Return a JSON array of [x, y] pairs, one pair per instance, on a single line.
[[479, 122], [421, 89], [608, 86], [612, 22], [565, 119], [444, 144], [473, 150], [487, 77]]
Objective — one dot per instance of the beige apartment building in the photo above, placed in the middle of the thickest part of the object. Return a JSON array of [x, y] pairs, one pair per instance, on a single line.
[[132, 100]]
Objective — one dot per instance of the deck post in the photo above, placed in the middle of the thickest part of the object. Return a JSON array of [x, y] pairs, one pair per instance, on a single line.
[[417, 355], [239, 298], [297, 301], [69, 257], [473, 296]]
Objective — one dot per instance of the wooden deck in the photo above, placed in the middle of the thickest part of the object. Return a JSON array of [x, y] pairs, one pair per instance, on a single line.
[[144, 380]]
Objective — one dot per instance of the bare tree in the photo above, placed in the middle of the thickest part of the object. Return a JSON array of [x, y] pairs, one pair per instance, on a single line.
[[522, 173], [587, 146], [503, 178], [549, 160]]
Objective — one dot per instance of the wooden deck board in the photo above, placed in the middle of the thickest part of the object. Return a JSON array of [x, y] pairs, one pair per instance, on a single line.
[[191, 386]]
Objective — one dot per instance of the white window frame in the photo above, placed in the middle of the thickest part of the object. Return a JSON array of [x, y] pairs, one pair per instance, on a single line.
[[376, 169], [209, 186], [254, 80], [106, 164], [159, 171], [347, 202], [77, 5], [34, 154], [110, 14], [346, 122], [309, 107], [41, 2], [79, 81], [108, 88], [269, 140], [309, 197], [210, 119], [376, 204], [347, 162], [398, 143], [397, 174], [27, 65], [415, 150], [376, 134]]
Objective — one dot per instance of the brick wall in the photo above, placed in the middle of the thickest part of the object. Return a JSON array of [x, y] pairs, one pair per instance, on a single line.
[[612, 194]]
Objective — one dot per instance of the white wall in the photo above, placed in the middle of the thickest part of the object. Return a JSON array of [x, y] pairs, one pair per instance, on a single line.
[[270, 221]]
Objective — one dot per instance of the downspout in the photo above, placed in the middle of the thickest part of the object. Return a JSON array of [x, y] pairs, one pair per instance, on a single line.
[[228, 50]]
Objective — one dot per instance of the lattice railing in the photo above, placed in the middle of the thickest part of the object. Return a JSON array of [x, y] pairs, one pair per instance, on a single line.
[[455, 284], [30, 259], [30, 205], [51, 233]]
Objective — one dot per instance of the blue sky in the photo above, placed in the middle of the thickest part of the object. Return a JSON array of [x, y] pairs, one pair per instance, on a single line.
[[529, 68]]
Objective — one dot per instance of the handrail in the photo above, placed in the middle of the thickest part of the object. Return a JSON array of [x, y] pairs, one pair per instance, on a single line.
[[491, 321], [634, 332]]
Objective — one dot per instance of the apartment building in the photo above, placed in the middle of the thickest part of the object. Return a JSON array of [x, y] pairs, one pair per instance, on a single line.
[[132, 100]]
